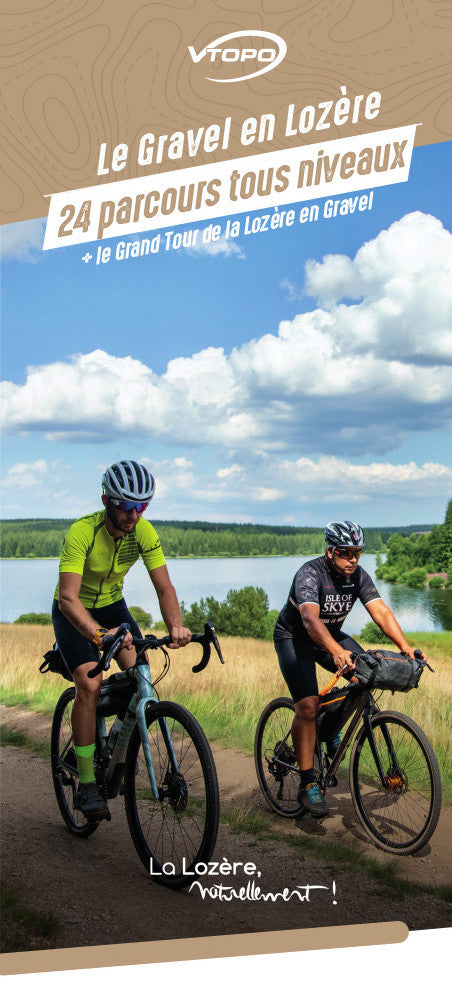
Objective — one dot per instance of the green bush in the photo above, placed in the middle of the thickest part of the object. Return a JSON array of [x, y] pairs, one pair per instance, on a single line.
[[416, 578], [436, 582], [40, 618], [243, 613], [270, 621], [144, 619], [388, 574], [372, 633]]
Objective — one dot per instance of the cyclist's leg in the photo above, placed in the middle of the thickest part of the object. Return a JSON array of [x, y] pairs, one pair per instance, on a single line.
[[112, 616], [297, 662], [81, 656]]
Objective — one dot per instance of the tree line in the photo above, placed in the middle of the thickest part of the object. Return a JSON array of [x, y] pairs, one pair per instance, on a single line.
[[44, 538], [409, 559]]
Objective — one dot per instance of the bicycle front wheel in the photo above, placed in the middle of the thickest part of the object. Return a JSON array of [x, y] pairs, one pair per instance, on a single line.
[[400, 814], [276, 764], [64, 766], [178, 830]]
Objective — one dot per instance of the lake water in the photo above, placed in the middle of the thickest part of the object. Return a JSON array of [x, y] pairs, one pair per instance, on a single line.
[[27, 586]]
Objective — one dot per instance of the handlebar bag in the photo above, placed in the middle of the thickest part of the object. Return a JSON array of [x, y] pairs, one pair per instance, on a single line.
[[54, 662], [386, 669]]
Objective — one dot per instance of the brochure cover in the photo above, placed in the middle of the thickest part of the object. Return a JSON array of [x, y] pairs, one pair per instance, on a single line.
[[226, 258]]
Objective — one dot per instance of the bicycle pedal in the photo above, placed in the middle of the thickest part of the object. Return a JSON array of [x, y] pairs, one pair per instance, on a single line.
[[100, 816]]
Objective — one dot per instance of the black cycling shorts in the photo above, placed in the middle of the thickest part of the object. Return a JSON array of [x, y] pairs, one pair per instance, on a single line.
[[77, 649], [298, 657]]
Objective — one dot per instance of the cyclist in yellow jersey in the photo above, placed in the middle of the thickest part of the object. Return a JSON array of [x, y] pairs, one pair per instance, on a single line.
[[98, 551]]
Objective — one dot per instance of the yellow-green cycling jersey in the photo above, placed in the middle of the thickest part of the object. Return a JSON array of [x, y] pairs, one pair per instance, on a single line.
[[103, 562]]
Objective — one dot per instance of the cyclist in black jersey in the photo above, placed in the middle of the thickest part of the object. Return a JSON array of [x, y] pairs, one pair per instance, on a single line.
[[308, 630], [98, 551]]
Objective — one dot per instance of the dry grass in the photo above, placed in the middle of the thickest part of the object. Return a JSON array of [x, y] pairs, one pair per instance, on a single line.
[[227, 699]]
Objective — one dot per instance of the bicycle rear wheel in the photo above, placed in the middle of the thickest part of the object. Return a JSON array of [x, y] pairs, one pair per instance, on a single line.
[[401, 815], [64, 766], [276, 764], [179, 828]]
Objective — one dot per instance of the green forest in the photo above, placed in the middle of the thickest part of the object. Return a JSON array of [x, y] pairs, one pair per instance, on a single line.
[[44, 538], [411, 559]]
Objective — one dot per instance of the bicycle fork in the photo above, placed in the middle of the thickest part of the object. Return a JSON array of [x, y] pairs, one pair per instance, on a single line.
[[393, 778], [147, 696]]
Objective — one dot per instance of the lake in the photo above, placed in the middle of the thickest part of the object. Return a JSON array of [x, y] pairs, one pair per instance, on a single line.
[[27, 586]]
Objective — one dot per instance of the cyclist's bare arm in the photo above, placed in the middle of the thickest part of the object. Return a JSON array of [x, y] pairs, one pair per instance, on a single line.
[[74, 610], [169, 607], [383, 616], [315, 627]]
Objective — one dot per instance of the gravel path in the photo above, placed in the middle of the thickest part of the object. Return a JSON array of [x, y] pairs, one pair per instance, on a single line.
[[101, 894]]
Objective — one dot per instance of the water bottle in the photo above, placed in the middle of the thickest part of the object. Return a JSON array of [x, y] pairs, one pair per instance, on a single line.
[[114, 733]]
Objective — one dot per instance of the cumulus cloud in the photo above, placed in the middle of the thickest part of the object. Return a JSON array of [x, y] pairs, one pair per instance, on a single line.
[[25, 475], [224, 246], [322, 480], [341, 379], [403, 279], [22, 241]]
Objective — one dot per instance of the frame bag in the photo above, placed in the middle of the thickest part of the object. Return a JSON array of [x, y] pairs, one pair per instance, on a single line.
[[387, 670]]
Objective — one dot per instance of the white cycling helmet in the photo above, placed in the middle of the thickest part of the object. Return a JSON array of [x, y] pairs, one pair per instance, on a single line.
[[344, 534], [128, 480]]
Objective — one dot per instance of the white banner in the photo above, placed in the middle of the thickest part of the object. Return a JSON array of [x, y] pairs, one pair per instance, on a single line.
[[270, 180]]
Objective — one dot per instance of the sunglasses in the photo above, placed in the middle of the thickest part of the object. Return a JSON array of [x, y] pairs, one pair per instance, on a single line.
[[348, 552], [127, 505]]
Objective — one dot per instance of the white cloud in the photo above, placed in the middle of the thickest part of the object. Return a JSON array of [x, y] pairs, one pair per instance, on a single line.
[[325, 480], [25, 475], [224, 246], [299, 481], [22, 241], [342, 379], [291, 291]]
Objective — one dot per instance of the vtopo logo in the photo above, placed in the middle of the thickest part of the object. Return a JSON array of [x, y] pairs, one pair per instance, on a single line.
[[223, 52]]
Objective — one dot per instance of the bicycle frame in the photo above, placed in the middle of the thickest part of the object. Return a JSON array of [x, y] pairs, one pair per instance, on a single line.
[[136, 714], [366, 707]]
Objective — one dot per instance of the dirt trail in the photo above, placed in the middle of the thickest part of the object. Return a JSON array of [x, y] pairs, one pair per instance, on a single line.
[[100, 892]]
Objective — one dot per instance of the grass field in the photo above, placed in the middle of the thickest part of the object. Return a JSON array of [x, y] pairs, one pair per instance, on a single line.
[[227, 700]]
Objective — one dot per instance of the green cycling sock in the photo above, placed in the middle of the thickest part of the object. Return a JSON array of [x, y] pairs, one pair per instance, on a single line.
[[85, 763]]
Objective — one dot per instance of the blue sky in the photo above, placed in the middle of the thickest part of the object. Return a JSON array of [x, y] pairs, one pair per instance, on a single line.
[[292, 376]]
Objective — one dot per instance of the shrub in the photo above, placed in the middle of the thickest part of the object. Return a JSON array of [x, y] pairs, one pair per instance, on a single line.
[[243, 613], [436, 582], [41, 618], [144, 619], [372, 633], [388, 574], [270, 621], [416, 578]]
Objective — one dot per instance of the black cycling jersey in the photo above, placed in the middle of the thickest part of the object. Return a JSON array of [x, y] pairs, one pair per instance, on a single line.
[[318, 582]]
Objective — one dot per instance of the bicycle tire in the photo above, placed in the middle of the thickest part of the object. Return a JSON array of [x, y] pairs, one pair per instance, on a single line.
[[180, 828], [64, 766], [273, 743], [401, 817]]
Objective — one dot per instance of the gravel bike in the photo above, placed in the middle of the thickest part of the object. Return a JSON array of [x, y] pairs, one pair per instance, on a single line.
[[394, 777], [154, 753]]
